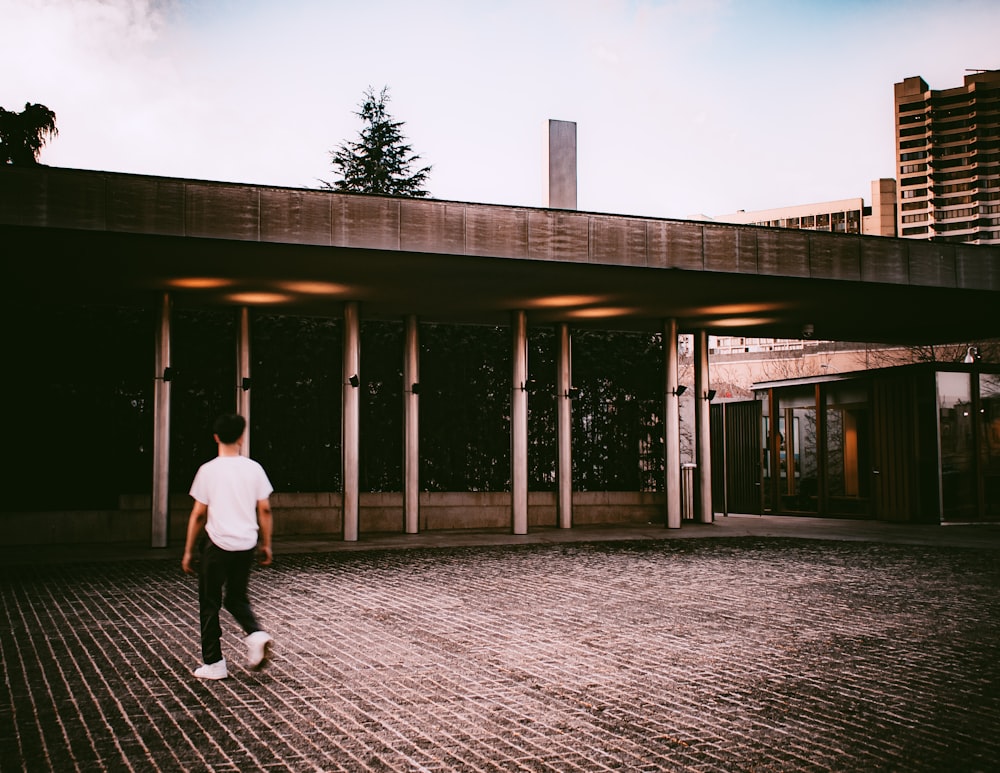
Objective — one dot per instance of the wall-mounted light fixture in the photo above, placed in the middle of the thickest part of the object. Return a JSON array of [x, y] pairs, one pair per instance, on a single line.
[[678, 390], [245, 384], [573, 393], [354, 381], [415, 388], [710, 394], [168, 374], [526, 385]]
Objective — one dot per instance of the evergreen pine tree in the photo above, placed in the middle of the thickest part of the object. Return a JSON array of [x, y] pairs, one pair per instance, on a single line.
[[381, 160]]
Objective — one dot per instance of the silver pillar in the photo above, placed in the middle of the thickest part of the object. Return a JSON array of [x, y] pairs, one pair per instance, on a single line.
[[671, 427], [411, 427], [564, 426], [243, 374], [351, 420], [160, 516], [703, 435], [519, 424]]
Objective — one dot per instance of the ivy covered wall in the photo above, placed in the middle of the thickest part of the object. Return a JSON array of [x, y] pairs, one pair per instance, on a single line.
[[77, 409]]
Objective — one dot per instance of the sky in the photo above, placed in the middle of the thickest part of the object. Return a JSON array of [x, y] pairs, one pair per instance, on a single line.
[[683, 107]]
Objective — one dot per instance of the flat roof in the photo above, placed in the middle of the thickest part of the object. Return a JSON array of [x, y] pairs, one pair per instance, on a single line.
[[88, 236]]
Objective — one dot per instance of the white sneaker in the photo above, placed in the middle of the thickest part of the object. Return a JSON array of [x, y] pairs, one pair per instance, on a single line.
[[212, 670], [258, 649]]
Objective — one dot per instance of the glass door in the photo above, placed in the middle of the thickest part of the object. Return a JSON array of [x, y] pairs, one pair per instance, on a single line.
[[956, 441]]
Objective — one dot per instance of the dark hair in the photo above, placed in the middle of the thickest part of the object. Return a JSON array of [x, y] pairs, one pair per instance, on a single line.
[[229, 427]]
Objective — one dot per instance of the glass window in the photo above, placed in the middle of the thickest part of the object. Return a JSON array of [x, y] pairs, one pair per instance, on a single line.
[[798, 487], [958, 501], [989, 411], [847, 452]]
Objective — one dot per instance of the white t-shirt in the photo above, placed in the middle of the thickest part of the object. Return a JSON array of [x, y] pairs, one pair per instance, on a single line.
[[231, 486]]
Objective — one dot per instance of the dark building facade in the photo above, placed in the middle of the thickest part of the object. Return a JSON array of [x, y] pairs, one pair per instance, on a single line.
[[918, 443]]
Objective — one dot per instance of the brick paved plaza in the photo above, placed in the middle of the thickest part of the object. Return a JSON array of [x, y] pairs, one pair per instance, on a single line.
[[733, 654]]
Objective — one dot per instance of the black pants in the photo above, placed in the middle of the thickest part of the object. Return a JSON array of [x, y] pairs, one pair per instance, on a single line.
[[223, 569]]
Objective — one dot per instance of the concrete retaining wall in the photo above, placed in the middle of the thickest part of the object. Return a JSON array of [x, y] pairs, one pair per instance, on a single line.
[[321, 514]]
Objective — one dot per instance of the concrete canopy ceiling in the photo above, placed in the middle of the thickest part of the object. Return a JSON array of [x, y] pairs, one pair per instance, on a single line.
[[75, 236]]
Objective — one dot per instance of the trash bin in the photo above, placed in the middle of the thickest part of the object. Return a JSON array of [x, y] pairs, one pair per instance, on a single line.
[[687, 491]]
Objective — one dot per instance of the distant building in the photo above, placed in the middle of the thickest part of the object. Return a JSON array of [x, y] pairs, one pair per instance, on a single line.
[[841, 216], [948, 159]]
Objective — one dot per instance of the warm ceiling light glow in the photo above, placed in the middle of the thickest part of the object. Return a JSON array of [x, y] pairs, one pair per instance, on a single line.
[[743, 322], [741, 308], [255, 299], [563, 301], [199, 283], [314, 288], [600, 313]]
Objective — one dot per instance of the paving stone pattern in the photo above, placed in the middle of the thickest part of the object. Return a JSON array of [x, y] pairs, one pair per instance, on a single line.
[[741, 654]]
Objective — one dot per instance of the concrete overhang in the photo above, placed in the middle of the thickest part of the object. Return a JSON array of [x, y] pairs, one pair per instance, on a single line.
[[80, 236]]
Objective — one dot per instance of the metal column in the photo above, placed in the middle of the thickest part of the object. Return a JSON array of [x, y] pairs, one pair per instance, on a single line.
[[243, 374], [411, 427], [519, 423], [564, 426], [703, 435], [351, 421], [671, 427], [160, 516]]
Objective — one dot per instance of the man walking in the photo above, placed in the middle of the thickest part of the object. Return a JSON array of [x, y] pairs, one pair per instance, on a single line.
[[232, 504]]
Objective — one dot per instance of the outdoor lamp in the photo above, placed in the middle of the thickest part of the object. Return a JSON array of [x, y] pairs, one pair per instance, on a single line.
[[354, 381], [245, 384], [710, 394], [678, 390]]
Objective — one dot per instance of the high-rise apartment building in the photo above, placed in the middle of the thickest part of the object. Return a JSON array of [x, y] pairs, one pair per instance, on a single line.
[[948, 159]]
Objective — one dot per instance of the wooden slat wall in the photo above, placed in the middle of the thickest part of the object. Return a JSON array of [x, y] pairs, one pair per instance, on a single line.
[[620, 242], [103, 201], [932, 264], [885, 260], [893, 442], [365, 222], [743, 457], [835, 257], [303, 216], [554, 234], [490, 234], [142, 204], [782, 252]]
